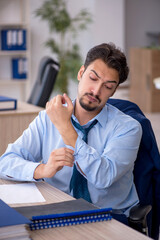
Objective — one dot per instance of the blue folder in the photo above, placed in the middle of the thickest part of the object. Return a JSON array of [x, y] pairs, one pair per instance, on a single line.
[[7, 103], [13, 44], [9, 216]]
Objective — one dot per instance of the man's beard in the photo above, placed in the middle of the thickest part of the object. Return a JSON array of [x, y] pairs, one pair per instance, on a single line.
[[88, 106]]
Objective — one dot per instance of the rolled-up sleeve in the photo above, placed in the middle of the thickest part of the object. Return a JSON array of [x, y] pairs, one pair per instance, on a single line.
[[104, 168]]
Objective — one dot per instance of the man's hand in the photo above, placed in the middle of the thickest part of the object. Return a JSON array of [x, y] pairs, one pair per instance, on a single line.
[[60, 116], [58, 159]]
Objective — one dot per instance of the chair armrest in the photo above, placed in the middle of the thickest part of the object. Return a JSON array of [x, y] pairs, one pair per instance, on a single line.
[[137, 217], [139, 212]]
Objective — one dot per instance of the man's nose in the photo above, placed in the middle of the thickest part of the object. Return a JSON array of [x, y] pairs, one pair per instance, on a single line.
[[96, 90]]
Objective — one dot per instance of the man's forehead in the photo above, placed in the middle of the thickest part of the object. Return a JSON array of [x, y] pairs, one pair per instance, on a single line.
[[98, 75]]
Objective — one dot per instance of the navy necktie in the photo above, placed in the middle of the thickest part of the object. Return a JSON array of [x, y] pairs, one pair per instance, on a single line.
[[78, 182]]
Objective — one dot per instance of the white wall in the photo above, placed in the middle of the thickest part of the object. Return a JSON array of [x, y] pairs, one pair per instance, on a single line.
[[109, 22], [107, 26], [141, 16]]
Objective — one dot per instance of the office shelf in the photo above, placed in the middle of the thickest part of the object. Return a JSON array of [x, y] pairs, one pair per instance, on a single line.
[[14, 15], [144, 68]]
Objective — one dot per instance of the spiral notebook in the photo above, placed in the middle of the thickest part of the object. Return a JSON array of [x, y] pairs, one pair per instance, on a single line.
[[65, 213]]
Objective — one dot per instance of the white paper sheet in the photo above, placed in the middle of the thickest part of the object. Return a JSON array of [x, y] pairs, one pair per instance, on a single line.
[[20, 193]]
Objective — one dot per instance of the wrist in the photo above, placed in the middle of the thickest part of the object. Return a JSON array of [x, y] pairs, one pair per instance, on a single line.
[[39, 172], [69, 135]]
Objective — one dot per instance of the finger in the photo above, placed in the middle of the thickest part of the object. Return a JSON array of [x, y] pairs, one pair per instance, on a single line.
[[47, 104], [62, 153], [60, 100], [68, 100], [69, 150], [66, 157], [59, 155], [59, 161], [63, 100], [63, 163], [64, 150]]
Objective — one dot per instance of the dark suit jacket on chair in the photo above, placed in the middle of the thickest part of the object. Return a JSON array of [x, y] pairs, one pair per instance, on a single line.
[[147, 165]]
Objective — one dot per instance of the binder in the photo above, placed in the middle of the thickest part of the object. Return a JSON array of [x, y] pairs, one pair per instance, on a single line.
[[65, 213], [13, 225], [14, 39], [20, 37], [19, 68], [6, 39], [21, 43], [9, 216], [9, 38], [7, 103], [23, 46]]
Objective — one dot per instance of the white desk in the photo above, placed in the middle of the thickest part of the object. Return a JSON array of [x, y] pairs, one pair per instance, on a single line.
[[108, 230], [13, 123]]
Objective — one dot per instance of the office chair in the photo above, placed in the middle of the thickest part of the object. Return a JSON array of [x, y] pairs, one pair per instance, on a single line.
[[47, 73], [146, 174]]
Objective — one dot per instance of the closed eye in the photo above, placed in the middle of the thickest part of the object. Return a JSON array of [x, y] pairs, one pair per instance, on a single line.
[[93, 78], [107, 87], [110, 85]]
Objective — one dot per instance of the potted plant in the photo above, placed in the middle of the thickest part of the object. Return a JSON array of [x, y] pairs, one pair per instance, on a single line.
[[64, 29]]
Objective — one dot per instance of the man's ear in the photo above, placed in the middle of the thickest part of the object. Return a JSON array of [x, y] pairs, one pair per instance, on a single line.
[[80, 72]]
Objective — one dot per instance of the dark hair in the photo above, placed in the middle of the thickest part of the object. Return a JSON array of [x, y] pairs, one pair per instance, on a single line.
[[112, 56]]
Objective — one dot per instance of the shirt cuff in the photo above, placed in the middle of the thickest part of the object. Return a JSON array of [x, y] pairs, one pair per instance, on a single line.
[[70, 147]]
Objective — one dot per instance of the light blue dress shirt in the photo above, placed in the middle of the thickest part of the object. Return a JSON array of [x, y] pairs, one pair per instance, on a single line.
[[107, 160]]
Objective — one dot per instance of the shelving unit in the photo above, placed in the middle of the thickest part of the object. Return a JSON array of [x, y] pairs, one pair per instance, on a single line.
[[14, 14], [144, 68]]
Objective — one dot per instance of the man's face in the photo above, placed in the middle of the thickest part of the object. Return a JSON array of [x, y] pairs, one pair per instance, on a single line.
[[96, 84]]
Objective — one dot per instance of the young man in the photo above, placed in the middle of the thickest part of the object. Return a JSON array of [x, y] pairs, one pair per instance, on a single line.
[[95, 163]]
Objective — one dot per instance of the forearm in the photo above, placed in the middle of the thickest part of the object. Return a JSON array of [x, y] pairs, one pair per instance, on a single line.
[[60, 116], [16, 168], [104, 168], [69, 135]]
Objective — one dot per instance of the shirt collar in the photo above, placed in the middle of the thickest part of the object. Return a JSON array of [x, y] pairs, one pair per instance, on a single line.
[[102, 117]]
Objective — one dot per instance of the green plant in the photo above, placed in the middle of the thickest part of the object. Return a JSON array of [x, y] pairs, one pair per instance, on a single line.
[[64, 29]]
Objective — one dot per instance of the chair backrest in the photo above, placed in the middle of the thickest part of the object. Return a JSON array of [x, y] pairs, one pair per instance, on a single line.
[[147, 164], [47, 73]]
